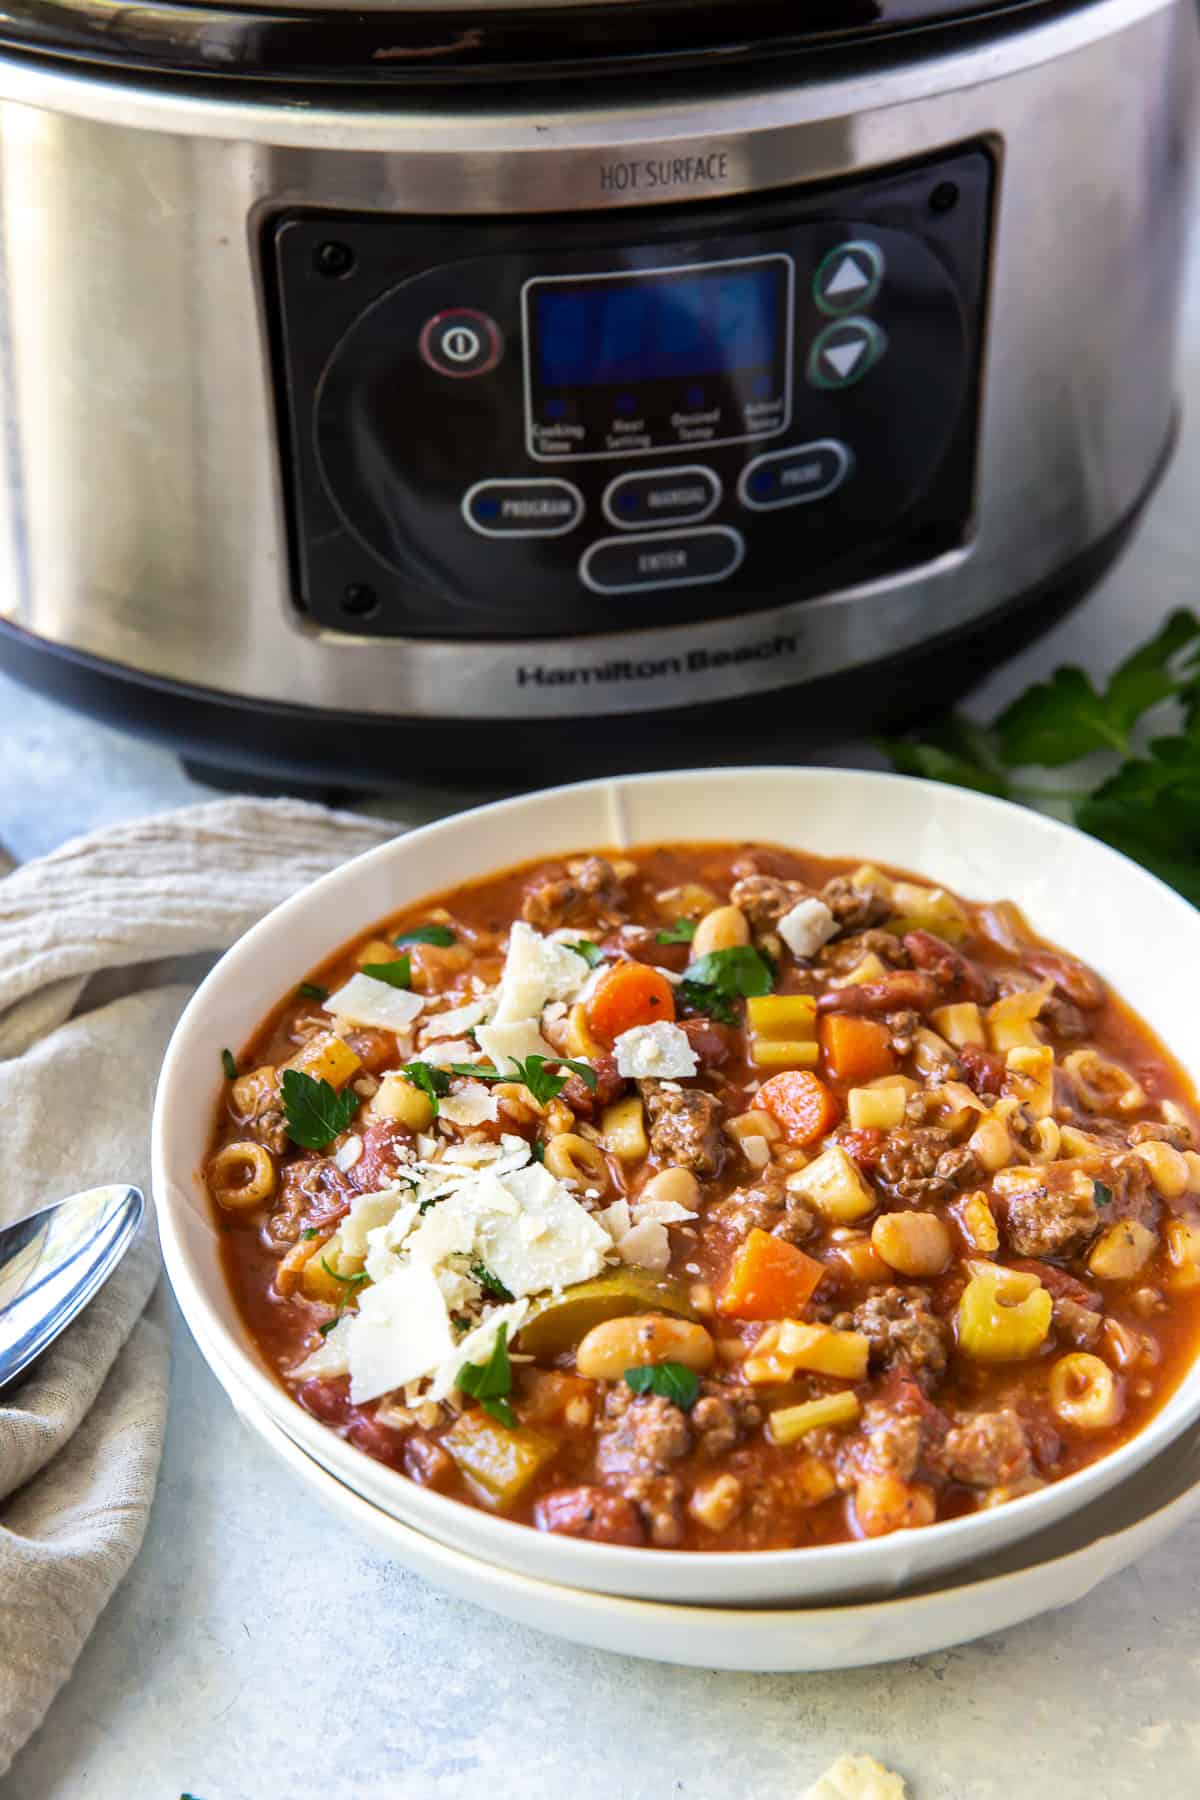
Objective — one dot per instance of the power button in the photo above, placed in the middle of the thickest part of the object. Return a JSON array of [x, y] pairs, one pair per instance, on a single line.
[[461, 342]]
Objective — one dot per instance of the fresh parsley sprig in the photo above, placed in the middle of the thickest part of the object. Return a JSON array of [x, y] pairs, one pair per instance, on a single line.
[[713, 984], [229, 1065], [397, 974], [533, 1073], [312, 990], [681, 932], [674, 1381], [315, 1112], [1146, 799], [491, 1284], [440, 936], [591, 953], [434, 1083], [491, 1382]]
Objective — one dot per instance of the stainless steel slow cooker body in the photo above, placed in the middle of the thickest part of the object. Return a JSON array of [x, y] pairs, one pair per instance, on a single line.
[[144, 531]]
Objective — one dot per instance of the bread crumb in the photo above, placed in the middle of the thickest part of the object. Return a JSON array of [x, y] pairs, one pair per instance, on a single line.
[[858, 1778]]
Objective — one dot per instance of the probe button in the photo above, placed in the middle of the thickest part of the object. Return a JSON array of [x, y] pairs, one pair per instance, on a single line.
[[790, 477]]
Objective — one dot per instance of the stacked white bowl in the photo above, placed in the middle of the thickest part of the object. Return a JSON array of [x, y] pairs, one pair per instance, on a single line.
[[815, 1608]]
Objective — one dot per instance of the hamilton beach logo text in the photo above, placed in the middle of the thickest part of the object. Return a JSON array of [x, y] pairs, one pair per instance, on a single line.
[[664, 172], [696, 662]]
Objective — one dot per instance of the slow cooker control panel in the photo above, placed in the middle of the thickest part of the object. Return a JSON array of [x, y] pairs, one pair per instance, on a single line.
[[548, 427]]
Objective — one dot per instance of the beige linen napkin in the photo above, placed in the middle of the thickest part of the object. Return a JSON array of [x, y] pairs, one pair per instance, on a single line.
[[99, 947]]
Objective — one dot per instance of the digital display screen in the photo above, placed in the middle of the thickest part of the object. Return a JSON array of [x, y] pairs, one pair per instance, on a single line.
[[657, 326]]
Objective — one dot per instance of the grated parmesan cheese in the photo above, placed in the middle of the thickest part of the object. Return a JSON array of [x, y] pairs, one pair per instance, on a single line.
[[661, 1050]]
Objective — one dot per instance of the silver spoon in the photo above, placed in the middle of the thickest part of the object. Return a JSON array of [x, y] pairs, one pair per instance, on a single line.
[[54, 1262]]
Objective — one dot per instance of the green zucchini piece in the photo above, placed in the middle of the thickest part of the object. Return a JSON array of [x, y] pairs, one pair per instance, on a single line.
[[559, 1322]]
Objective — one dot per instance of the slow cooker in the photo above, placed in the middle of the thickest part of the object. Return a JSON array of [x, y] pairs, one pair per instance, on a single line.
[[503, 386]]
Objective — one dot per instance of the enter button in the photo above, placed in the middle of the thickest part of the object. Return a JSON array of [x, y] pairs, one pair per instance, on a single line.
[[662, 559], [662, 496], [790, 477]]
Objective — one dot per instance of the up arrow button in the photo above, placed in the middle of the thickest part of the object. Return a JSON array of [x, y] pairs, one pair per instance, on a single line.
[[844, 352], [848, 278]]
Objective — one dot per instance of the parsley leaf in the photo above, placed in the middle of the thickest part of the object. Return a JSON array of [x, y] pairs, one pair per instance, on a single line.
[[546, 1087], [477, 1071], [312, 990], [316, 1112], [537, 1150], [713, 983], [1150, 809], [1067, 717], [397, 974], [955, 751], [432, 1082], [311, 1232], [325, 1329], [491, 1382], [491, 1284], [1101, 1194], [440, 935], [681, 932], [229, 1065], [670, 1379], [696, 999], [591, 953], [1145, 803]]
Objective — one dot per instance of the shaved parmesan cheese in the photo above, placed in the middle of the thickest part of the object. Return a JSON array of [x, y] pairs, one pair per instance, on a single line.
[[365, 1001], [471, 1104], [615, 1219], [808, 926], [349, 1153], [331, 1356], [455, 1021], [401, 1330], [858, 1778], [662, 1212], [648, 1246], [367, 1212], [506, 1044], [549, 1242], [441, 1054], [660, 1049], [536, 970]]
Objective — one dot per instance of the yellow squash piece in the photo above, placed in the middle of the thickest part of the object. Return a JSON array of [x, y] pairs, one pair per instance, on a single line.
[[560, 1322], [326, 1058], [960, 1024], [496, 1463], [783, 1031], [833, 1185], [790, 1423], [1004, 1314]]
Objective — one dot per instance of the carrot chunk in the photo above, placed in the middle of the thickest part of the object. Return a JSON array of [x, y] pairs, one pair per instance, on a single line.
[[801, 1103], [854, 1049], [769, 1279], [630, 994]]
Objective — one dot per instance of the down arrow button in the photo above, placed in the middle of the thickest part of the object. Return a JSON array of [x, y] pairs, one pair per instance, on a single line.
[[844, 352]]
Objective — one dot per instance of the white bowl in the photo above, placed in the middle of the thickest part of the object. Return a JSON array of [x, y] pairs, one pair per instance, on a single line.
[[1053, 1568], [1138, 933]]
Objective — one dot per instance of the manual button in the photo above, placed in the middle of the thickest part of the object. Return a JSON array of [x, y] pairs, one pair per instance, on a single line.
[[538, 507], [662, 559], [662, 496], [790, 477]]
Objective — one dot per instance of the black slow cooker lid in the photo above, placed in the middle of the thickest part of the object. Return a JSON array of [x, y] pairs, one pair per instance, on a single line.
[[410, 41]]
